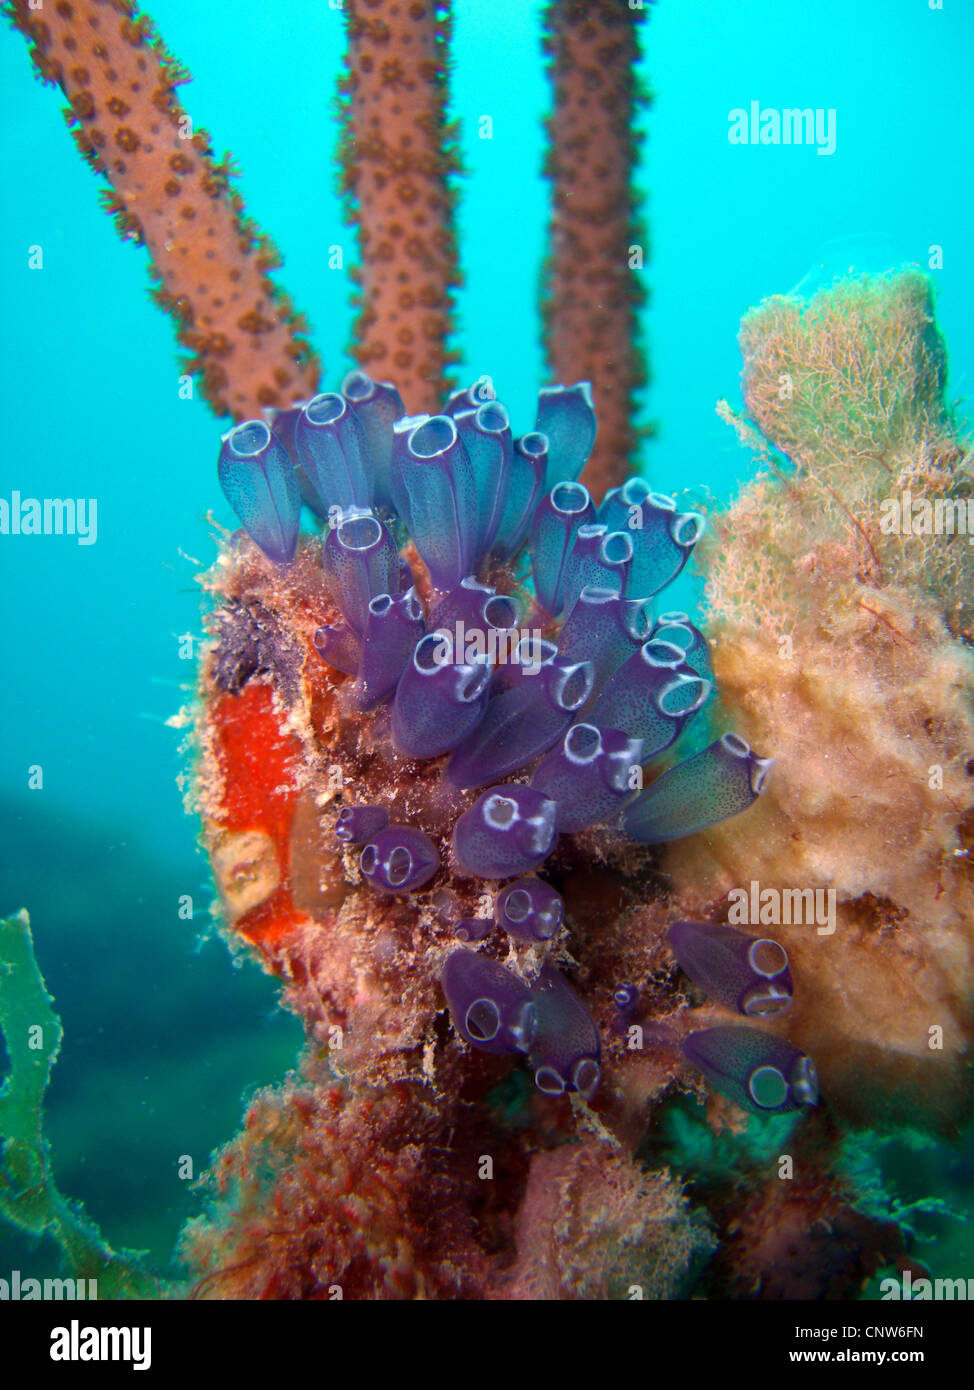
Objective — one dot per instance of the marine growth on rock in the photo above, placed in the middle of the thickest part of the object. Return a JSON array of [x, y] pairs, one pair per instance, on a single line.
[[487, 619]]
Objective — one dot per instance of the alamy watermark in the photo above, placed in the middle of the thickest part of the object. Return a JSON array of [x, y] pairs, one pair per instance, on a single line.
[[755, 906], [50, 516], [907, 515], [495, 646], [754, 125], [17, 1288], [77, 1343], [912, 1290]]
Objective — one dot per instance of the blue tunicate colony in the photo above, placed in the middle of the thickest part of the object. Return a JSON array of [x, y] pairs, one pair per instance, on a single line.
[[584, 709]]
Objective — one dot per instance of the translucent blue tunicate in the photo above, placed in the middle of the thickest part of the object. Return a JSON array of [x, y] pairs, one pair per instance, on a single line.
[[486, 435], [529, 910], [438, 700], [522, 722], [376, 405], [606, 629], [283, 422], [507, 831], [619, 505], [490, 1007], [339, 647], [678, 629], [557, 520], [747, 973], [356, 824], [756, 1070], [651, 697], [399, 859], [566, 1052], [258, 481], [566, 415], [720, 781], [598, 559], [360, 560], [662, 538], [529, 462], [333, 452], [432, 484], [590, 774], [478, 607], [395, 624]]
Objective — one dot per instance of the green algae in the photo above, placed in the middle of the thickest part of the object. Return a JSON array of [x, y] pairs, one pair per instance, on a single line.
[[29, 1198]]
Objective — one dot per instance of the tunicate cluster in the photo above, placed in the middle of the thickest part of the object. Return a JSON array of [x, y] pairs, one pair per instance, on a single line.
[[574, 696], [757, 1070]]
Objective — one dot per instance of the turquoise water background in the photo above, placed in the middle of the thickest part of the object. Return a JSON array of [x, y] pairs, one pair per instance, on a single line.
[[163, 1037]]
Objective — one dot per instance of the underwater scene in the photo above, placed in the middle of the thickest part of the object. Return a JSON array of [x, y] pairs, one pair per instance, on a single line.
[[487, 546]]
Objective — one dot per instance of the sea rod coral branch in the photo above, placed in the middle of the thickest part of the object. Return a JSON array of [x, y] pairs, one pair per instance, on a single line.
[[398, 159], [592, 282], [167, 192]]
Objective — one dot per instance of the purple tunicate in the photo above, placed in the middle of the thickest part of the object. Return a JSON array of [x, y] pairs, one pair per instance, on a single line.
[[746, 973], [432, 483], [678, 629], [604, 628], [333, 453], [756, 1070], [716, 783], [376, 405], [469, 398], [651, 696], [491, 1008], [522, 722], [486, 435], [566, 415], [478, 620], [598, 559], [395, 625], [258, 481], [529, 462], [283, 421], [340, 647], [530, 910], [437, 700], [524, 661], [507, 831], [356, 824], [590, 775], [662, 546], [472, 928], [399, 859], [566, 1052], [627, 1001], [446, 905], [557, 520], [360, 560], [620, 504], [662, 537]]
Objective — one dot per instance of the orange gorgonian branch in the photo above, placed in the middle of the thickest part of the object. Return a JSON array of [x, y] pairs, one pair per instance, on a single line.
[[211, 262], [593, 287], [398, 162]]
